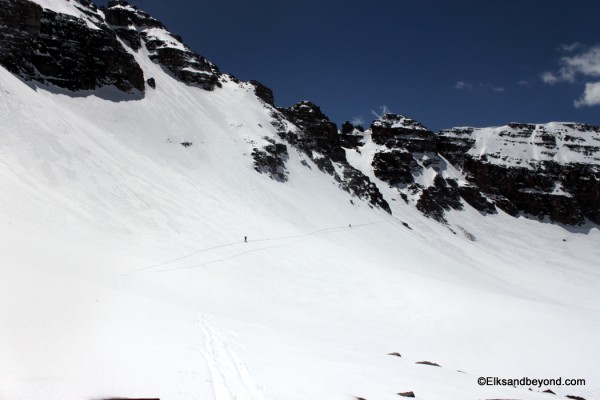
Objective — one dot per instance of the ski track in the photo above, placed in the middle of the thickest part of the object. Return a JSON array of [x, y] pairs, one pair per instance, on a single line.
[[303, 237], [231, 380]]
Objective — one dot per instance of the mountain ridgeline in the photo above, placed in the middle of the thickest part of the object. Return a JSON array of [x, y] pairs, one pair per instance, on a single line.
[[550, 172]]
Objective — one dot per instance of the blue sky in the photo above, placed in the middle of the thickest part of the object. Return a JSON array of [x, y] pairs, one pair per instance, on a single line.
[[444, 63]]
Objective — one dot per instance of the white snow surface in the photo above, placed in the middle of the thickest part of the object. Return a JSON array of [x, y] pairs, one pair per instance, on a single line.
[[124, 272]]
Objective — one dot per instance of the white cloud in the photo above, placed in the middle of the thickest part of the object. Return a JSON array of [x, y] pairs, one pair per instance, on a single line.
[[583, 64], [463, 85], [384, 110], [549, 78], [358, 121], [568, 48], [586, 63], [591, 95], [524, 83]]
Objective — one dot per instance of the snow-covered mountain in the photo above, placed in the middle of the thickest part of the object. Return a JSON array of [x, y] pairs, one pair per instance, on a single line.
[[132, 170], [545, 171]]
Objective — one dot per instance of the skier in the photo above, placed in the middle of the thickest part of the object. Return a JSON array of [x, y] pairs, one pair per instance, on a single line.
[[245, 239]]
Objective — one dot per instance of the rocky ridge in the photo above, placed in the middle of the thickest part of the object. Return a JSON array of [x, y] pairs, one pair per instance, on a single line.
[[136, 27], [406, 158], [545, 171]]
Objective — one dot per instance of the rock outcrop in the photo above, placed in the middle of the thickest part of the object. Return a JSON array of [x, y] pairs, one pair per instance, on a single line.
[[136, 27], [318, 138], [408, 160], [271, 160], [443, 195], [63, 50], [84, 50], [351, 137], [264, 93], [396, 131]]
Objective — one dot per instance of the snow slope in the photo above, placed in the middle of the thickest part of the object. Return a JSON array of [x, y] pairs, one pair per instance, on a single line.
[[124, 272]]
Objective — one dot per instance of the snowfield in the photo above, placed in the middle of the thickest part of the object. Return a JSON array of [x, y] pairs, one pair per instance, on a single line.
[[124, 271]]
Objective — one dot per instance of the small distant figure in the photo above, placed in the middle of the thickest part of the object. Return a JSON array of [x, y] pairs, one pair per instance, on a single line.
[[245, 239], [349, 225]]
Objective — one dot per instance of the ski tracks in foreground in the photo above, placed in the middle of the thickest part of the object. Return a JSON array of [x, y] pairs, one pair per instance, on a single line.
[[230, 377]]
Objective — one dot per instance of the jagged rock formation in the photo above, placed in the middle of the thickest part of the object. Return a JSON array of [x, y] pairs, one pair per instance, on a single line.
[[63, 50], [83, 52], [443, 195], [549, 171], [407, 159], [396, 131], [319, 139], [444, 171], [396, 167], [135, 27]]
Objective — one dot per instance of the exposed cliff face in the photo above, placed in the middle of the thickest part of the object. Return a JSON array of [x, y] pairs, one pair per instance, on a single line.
[[79, 48], [549, 172], [75, 52], [546, 171], [404, 156], [318, 134]]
